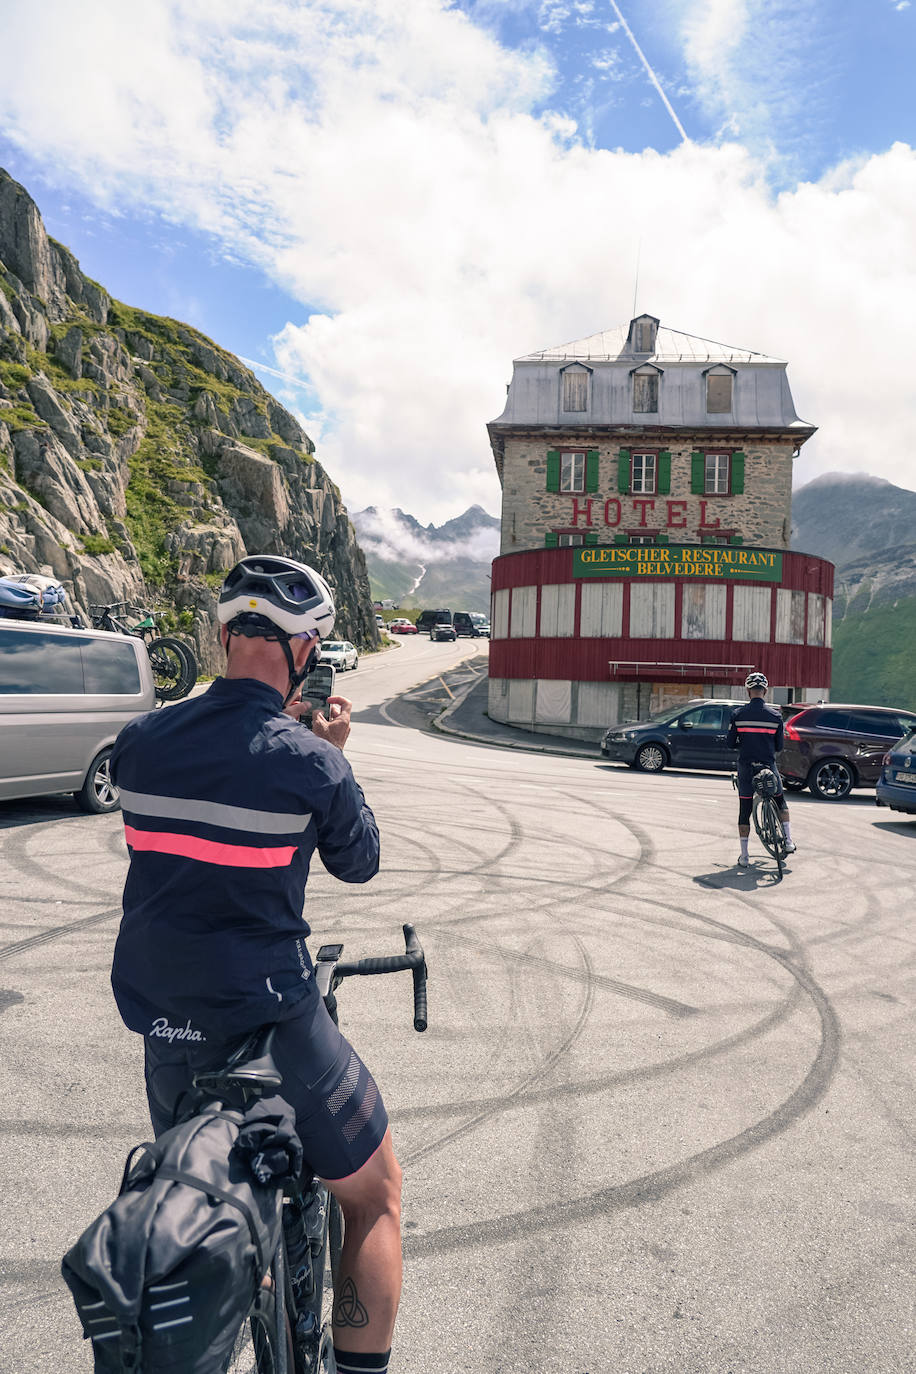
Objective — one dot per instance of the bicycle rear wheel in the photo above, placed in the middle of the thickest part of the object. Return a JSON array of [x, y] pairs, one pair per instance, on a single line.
[[769, 828], [172, 668], [262, 1345]]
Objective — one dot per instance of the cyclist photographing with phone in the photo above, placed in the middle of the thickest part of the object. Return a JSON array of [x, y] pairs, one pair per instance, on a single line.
[[756, 731], [226, 797]]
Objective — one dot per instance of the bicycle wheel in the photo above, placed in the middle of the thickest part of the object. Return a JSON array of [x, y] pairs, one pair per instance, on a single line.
[[769, 828], [313, 1343], [171, 669], [262, 1345]]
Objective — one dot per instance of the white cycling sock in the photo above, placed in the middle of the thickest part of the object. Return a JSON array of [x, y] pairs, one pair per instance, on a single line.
[[744, 840], [787, 830]]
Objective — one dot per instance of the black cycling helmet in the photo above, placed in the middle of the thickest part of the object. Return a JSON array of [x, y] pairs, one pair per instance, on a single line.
[[756, 680], [766, 783], [270, 597]]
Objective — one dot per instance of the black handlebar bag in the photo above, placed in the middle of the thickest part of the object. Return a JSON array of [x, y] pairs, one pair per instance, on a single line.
[[164, 1278]]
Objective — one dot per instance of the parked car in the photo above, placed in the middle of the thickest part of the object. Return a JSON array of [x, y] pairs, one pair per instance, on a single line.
[[833, 748], [691, 735], [896, 785], [65, 693], [402, 626], [442, 630], [426, 620], [472, 624], [340, 653]]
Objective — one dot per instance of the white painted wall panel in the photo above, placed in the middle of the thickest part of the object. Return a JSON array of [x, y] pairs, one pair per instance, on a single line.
[[553, 702], [524, 612], [815, 618], [599, 703], [751, 614], [499, 616], [521, 701], [601, 611], [498, 698], [703, 613], [558, 605], [652, 610], [828, 622], [790, 616]]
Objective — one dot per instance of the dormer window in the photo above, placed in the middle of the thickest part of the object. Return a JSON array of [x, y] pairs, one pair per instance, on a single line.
[[575, 388], [642, 335], [719, 390], [645, 389]]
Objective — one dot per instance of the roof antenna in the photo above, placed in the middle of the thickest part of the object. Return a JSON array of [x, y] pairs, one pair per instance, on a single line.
[[636, 283]]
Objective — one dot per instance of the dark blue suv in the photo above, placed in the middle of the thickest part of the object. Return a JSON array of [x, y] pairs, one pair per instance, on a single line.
[[691, 735]]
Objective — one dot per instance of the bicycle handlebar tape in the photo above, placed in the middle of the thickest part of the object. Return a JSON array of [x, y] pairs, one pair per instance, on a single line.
[[418, 961]]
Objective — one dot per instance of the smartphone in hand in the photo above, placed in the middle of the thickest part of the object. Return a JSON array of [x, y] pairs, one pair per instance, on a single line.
[[317, 686]]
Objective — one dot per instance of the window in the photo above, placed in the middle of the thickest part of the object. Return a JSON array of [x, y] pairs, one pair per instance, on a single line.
[[565, 541], [642, 539], [717, 473], [572, 472], [34, 663], [874, 723], [643, 472], [111, 668], [575, 388], [705, 718], [827, 720], [718, 393], [645, 392]]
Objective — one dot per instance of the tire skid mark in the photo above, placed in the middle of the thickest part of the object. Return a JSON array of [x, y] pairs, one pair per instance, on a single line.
[[14, 853], [510, 1099], [652, 1186], [45, 937]]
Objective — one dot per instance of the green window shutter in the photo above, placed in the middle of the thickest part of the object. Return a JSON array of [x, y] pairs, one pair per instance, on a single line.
[[697, 474], [553, 470], [736, 539], [591, 537], [551, 539], [737, 474], [623, 471], [621, 539], [664, 473], [591, 470], [661, 538]]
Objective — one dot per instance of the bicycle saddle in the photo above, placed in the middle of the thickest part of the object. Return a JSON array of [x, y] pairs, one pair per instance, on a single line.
[[251, 1067]]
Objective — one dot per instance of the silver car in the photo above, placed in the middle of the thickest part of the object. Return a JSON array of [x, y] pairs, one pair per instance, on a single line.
[[64, 696]]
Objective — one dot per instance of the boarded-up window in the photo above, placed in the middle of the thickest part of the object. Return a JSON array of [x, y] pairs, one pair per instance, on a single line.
[[558, 604], [828, 622], [572, 472], [598, 704], [575, 388], [643, 472], [815, 618], [499, 619], [524, 607], [601, 613], [751, 614], [645, 392], [790, 616], [718, 394], [652, 610], [553, 702], [645, 336], [703, 614], [521, 700]]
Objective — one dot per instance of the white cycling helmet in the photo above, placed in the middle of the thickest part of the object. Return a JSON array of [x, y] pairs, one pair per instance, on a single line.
[[264, 593], [756, 680]]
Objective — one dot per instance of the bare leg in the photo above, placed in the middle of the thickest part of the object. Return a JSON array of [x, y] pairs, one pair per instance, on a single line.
[[369, 1277]]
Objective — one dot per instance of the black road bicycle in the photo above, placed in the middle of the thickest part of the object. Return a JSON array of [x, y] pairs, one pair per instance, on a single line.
[[173, 663], [766, 819], [288, 1329]]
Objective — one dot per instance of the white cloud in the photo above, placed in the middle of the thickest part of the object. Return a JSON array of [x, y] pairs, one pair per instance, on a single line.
[[381, 161], [382, 532]]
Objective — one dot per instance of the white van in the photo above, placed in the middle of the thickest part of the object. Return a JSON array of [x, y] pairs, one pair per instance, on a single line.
[[64, 696]]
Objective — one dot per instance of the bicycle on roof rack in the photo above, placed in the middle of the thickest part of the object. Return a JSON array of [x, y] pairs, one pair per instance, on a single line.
[[174, 664], [288, 1329]]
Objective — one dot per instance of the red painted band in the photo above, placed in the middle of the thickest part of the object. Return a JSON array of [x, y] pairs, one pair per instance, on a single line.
[[208, 851]]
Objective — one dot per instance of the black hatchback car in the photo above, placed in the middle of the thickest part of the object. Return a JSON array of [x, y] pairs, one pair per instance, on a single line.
[[833, 748], [691, 735]]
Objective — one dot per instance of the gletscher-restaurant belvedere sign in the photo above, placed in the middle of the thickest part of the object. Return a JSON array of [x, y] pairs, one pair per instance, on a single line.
[[691, 560]]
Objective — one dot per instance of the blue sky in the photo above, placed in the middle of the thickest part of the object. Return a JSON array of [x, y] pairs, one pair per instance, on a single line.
[[388, 203]]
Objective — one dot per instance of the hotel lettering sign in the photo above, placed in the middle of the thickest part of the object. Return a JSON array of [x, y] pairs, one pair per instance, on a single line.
[[691, 560]]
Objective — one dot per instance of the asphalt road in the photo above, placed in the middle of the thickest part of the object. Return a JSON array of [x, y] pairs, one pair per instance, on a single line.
[[663, 1117]]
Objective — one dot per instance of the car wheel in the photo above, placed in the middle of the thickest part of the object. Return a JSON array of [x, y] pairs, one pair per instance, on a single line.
[[651, 758], [831, 779], [793, 784], [98, 793]]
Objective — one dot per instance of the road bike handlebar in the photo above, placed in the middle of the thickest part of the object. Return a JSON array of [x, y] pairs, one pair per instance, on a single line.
[[413, 959]]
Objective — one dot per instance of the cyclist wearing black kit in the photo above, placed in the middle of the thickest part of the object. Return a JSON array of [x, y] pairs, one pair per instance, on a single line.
[[226, 798], [756, 731]]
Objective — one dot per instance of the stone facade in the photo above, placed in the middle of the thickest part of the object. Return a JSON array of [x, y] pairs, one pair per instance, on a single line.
[[760, 516]]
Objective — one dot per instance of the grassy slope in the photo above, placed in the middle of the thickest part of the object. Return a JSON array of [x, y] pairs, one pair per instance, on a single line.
[[873, 656]]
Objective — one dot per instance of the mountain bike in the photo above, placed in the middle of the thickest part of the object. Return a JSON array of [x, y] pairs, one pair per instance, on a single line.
[[287, 1329], [766, 818], [173, 663]]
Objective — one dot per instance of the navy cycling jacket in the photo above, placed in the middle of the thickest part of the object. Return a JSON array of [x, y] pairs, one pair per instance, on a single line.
[[225, 799], [755, 730]]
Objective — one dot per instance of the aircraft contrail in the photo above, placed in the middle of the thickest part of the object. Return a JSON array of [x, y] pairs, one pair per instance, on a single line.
[[262, 367], [651, 74]]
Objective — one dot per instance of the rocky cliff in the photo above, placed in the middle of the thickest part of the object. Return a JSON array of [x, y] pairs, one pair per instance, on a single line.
[[138, 460]]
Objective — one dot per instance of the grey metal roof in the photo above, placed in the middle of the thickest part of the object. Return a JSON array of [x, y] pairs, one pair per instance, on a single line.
[[671, 345]]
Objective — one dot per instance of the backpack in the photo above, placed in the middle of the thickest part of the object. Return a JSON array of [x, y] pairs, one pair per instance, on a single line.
[[164, 1277]]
